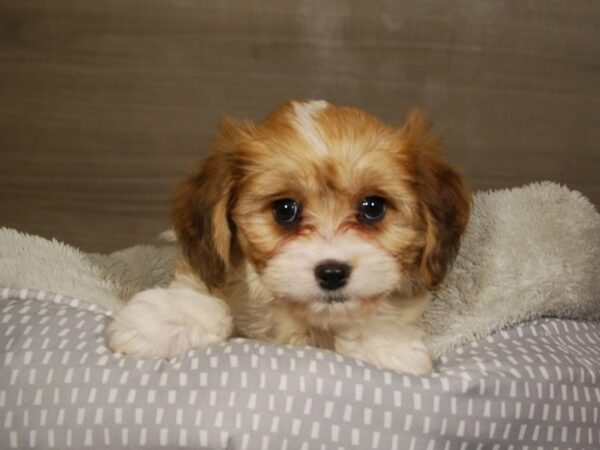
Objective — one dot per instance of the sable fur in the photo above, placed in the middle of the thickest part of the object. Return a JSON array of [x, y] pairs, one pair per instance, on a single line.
[[327, 158]]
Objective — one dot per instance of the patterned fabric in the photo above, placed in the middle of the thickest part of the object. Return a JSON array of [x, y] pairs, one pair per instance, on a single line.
[[534, 386]]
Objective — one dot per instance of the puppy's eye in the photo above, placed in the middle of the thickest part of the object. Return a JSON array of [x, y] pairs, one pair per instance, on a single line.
[[286, 211], [371, 209]]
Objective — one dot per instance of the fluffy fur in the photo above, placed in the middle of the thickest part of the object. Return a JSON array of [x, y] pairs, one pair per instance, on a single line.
[[527, 252], [261, 274]]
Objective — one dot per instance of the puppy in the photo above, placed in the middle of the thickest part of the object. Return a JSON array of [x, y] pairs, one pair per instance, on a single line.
[[319, 226]]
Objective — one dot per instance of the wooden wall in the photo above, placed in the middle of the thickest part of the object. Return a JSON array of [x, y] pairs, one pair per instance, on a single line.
[[104, 104]]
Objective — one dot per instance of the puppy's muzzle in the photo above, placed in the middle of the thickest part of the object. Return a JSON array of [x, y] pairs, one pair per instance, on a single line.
[[332, 275]]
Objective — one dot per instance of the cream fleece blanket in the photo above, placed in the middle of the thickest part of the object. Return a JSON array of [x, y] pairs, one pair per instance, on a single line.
[[527, 252]]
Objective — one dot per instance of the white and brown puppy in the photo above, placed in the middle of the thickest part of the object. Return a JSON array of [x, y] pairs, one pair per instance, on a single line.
[[319, 225]]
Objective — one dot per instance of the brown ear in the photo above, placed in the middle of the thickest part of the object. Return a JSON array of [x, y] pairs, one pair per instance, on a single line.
[[199, 210], [445, 199]]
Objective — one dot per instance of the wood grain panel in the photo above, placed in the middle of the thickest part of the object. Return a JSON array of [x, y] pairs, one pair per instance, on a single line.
[[104, 104]]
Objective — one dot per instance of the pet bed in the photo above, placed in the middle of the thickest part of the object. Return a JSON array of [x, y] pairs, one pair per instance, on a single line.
[[528, 253]]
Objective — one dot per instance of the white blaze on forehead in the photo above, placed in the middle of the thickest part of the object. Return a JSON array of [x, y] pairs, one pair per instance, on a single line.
[[303, 119]]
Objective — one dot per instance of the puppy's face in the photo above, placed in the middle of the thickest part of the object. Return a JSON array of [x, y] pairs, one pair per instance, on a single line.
[[332, 208]]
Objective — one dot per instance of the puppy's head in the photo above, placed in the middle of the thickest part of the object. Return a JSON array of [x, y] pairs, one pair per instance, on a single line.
[[333, 209]]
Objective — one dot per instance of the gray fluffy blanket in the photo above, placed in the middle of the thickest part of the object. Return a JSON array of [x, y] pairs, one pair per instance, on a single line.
[[528, 252]]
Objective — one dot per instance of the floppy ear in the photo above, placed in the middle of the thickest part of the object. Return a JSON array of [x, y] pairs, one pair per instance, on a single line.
[[445, 200], [200, 210]]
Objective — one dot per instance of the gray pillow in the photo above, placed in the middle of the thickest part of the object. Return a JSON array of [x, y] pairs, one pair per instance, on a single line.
[[534, 385]]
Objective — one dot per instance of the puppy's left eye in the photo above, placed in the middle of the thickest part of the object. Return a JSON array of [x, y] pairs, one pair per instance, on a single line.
[[371, 209], [286, 211]]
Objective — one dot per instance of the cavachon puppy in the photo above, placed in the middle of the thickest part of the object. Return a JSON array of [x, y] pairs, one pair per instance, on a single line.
[[321, 226]]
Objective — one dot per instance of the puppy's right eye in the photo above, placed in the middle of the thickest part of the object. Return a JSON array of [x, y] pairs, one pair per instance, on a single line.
[[371, 209], [286, 211]]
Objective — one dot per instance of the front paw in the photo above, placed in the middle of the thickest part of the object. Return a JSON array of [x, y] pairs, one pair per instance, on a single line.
[[411, 359], [163, 323], [393, 351]]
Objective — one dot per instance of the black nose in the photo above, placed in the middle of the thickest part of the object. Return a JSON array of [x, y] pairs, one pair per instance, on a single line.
[[332, 275]]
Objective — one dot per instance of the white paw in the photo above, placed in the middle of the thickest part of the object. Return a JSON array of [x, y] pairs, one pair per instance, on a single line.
[[412, 359], [163, 323], [402, 351]]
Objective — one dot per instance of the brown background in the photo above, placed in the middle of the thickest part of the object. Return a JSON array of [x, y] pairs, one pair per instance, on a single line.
[[104, 104]]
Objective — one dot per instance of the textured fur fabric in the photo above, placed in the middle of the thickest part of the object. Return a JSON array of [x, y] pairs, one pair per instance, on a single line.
[[105, 280], [527, 252]]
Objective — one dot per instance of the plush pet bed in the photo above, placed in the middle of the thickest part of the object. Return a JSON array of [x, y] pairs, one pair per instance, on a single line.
[[528, 253]]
